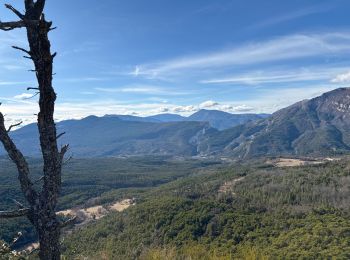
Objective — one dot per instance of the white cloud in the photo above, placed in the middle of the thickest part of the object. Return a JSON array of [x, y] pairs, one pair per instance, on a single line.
[[238, 109], [184, 109], [208, 104], [342, 78], [23, 96], [276, 49]]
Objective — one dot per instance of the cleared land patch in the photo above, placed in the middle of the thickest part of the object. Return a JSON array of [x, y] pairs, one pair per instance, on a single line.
[[292, 162]]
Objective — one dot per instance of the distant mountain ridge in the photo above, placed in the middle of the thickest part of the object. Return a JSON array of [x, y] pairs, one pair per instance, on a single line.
[[110, 136], [115, 135], [168, 118], [317, 126], [222, 120], [218, 119]]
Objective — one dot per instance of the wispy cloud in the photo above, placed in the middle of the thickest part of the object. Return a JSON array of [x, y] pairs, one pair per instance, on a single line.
[[143, 89], [272, 75], [7, 83], [23, 96], [8, 61], [80, 79], [12, 67], [86, 46], [278, 49], [87, 93], [316, 9]]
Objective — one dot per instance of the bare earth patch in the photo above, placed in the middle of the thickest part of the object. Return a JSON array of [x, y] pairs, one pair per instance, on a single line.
[[289, 162], [86, 215], [96, 212], [122, 205], [229, 185]]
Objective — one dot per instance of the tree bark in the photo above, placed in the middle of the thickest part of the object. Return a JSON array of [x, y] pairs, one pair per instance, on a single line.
[[49, 243], [42, 210]]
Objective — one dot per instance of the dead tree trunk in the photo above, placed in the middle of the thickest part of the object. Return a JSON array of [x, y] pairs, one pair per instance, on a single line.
[[42, 204]]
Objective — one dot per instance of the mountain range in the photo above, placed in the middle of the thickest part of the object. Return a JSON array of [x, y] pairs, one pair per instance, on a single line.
[[319, 126], [109, 136], [217, 119]]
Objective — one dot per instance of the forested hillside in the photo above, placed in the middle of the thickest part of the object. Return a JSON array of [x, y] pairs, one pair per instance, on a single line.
[[90, 181], [200, 209], [250, 211]]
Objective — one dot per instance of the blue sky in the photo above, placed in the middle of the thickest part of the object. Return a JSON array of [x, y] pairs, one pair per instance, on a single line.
[[156, 56]]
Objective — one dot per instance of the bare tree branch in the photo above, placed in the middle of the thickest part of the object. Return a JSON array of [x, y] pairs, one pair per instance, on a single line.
[[21, 49], [68, 222], [32, 88], [14, 125], [8, 26], [64, 149], [14, 241], [60, 135], [19, 204], [16, 12], [67, 160], [14, 213], [39, 180], [21, 163], [33, 251]]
